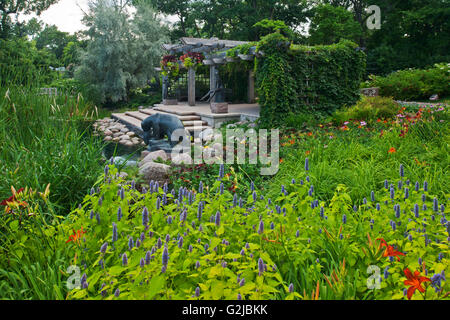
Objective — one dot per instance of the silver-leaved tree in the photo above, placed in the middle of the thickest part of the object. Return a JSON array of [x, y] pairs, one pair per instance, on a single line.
[[124, 47]]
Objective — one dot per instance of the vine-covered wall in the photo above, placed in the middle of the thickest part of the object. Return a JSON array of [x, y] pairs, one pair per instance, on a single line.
[[294, 79]]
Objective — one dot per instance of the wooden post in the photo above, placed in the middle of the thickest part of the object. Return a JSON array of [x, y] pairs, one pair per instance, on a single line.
[[191, 86], [212, 80], [251, 87]]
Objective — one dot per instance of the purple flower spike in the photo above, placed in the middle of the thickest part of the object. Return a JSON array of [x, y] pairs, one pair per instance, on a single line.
[[260, 266], [239, 296], [117, 293], [242, 283], [165, 256], [180, 243], [124, 260], [197, 292], [261, 227], [435, 205], [142, 262], [197, 265], [291, 288], [104, 247], [425, 186], [148, 257], [114, 232], [344, 219], [306, 164], [402, 171], [217, 219], [119, 214], [145, 217]]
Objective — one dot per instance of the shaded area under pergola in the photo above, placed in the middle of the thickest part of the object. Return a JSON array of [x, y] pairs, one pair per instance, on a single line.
[[216, 48]]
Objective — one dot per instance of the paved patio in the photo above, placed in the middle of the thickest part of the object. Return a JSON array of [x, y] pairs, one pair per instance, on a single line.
[[252, 110]]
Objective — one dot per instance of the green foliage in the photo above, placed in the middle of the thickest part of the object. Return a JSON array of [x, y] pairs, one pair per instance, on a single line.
[[357, 154], [298, 244], [414, 84], [54, 40], [9, 8], [369, 109], [122, 53], [266, 27], [46, 140], [306, 79], [32, 264], [22, 63], [413, 34], [330, 24], [230, 19]]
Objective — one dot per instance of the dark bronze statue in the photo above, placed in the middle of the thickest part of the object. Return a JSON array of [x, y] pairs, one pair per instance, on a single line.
[[165, 87], [219, 91], [159, 126]]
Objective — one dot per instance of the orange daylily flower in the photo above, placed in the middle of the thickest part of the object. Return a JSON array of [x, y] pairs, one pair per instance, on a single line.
[[390, 251], [392, 150], [308, 153], [281, 160], [76, 236], [310, 134], [414, 281]]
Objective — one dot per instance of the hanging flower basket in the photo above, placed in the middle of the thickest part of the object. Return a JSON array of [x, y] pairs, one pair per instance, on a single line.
[[246, 57], [219, 60]]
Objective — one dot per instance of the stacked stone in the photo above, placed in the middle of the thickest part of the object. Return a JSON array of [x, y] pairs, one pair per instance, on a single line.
[[114, 131]]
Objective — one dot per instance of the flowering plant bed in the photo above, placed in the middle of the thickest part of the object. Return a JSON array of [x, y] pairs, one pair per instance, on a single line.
[[210, 244]]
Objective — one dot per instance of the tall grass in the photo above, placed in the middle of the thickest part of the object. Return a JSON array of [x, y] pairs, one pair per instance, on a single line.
[[46, 140], [362, 162]]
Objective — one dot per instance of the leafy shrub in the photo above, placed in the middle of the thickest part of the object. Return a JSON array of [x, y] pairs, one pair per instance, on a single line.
[[207, 245], [306, 79], [414, 84], [368, 109]]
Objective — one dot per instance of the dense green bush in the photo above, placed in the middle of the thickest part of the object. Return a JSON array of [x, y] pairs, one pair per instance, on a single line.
[[369, 109], [414, 84], [22, 63], [300, 79]]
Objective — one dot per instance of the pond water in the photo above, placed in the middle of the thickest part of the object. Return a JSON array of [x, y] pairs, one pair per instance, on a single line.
[[118, 150]]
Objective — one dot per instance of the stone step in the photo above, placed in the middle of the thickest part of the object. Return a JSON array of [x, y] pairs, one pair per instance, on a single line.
[[172, 111], [151, 112], [195, 131]]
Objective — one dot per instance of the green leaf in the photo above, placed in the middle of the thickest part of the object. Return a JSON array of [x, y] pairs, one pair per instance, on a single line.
[[156, 284]]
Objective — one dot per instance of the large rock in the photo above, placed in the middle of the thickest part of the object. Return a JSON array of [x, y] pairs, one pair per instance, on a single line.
[[155, 171], [152, 156], [182, 158]]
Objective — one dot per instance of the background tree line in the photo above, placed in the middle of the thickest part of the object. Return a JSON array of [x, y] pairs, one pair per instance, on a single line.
[[118, 51]]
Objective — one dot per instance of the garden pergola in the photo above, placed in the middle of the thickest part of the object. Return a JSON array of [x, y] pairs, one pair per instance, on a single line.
[[215, 50]]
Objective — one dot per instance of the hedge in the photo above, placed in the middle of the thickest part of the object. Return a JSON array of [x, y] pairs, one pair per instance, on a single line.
[[294, 79]]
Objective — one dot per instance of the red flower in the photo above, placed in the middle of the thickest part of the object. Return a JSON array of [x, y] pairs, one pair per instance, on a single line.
[[390, 251], [11, 199], [392, 150], [76, 236], [415, 282]]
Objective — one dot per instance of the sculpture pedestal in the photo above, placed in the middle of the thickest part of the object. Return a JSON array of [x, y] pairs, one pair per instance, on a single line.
[[170, 102], [219, 107]]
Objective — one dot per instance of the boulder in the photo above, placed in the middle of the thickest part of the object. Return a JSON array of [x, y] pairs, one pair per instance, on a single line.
[[108, 138], [152, 156], [131, 134], [155, 171], [108, 132], [182, 158]]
